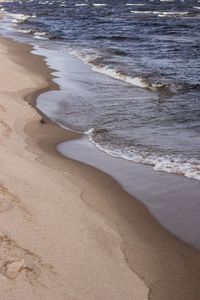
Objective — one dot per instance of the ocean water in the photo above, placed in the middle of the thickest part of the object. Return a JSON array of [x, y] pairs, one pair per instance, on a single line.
[[147, 107]]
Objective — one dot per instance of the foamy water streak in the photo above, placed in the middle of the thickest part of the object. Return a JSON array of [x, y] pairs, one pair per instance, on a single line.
[[135, 4], [106, 70], [41, 36], [99, 4], [20, 18], [166, 0], [176, 165], [81, 4], [25, 31], [161, 13], [136, 81]]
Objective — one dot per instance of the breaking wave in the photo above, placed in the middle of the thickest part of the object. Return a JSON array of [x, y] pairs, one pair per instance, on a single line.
[[20, 18], [166, 163], [138, 81], [161, 13]]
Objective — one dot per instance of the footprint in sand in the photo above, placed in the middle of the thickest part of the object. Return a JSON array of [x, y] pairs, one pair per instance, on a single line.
[[12, 269], [4, 129], [8, 200], [16, 261], [5, 205]]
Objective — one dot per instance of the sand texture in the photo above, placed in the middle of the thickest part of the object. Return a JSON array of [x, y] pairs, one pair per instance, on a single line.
[[68, 231]]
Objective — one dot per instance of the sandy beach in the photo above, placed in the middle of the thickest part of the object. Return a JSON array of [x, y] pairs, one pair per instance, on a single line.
[[67, 230]]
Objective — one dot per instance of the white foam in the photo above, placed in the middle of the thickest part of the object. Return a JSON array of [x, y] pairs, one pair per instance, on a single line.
[[161, 13], [99, 4], [89, 132], [26, 31], [141, 12], [19, 18], [135, 81], [197, 7], [135, 4], [174, 165], [175, 13], [80, 4], [40, 36]]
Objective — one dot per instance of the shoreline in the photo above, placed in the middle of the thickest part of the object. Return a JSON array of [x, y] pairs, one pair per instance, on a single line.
[[133, 256], [165, 195]]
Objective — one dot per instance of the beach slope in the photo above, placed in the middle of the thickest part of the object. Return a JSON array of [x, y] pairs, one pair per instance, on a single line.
[[52, 245], [68, 231]]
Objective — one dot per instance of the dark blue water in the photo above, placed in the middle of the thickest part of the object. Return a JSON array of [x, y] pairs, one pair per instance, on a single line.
[[150, 111]]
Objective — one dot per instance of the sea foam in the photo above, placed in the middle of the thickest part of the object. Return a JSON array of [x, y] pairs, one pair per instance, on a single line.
[[138, 81], [164, 163]]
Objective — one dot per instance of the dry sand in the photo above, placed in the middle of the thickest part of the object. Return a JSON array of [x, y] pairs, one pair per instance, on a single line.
[[68, 231]]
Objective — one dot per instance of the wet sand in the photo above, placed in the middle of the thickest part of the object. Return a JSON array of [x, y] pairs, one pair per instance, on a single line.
[[68, 230], [173, 199]]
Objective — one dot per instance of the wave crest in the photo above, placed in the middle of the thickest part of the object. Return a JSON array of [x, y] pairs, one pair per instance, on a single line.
[[96, 65], [167, 163]]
